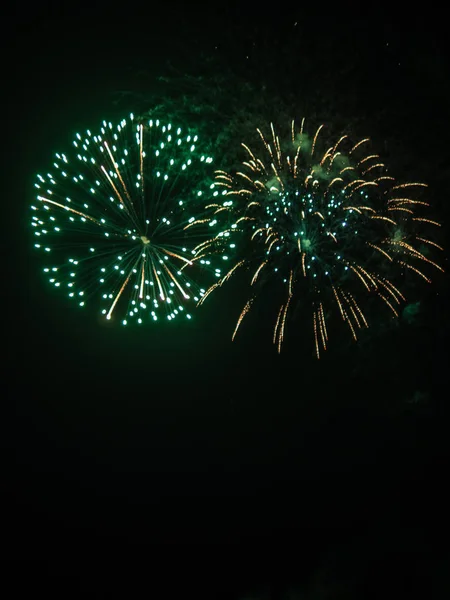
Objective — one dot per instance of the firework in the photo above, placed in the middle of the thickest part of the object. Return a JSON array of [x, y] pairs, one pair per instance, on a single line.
[[118, 220], [325, 223]]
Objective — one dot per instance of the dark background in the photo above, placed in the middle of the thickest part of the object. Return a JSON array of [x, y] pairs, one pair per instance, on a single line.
[[170, 460]]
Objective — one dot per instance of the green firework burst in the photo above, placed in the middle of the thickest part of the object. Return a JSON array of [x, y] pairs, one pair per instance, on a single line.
[[119, 217]]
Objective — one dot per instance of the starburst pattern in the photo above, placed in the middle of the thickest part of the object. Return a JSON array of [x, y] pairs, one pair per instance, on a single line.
[[327, 224], [118, 219]]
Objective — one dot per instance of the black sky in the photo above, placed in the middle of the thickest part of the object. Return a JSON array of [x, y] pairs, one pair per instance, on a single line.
[[173, 455]]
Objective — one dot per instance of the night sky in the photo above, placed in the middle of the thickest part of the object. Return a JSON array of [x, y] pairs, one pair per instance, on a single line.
[[170, 460]]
